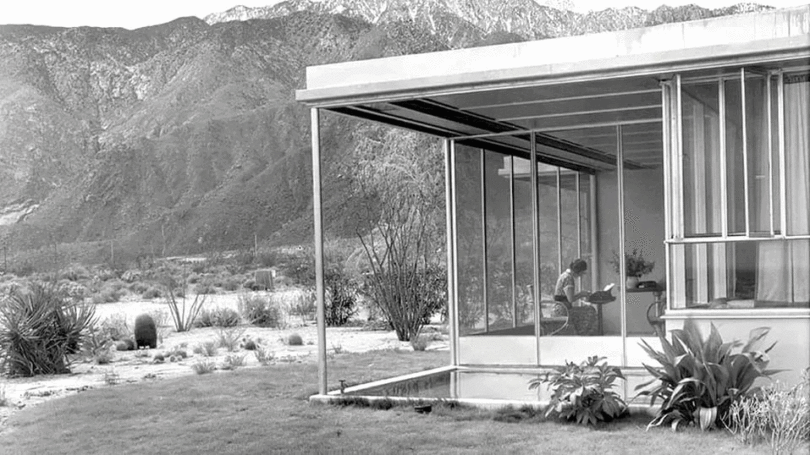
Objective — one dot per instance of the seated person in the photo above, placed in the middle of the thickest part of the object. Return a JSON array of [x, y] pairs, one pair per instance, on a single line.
[[564, 290]]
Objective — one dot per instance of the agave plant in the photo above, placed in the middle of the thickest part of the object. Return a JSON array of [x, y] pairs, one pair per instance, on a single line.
[[39, 328], [700, 378], [583, 392]]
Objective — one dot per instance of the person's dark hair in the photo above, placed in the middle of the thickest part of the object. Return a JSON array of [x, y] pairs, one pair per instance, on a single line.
[[578, 266]]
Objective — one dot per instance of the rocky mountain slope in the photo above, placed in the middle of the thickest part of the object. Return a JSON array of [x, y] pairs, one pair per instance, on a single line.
[[185, 137]]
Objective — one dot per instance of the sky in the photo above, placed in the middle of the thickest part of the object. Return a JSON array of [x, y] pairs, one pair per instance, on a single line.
[[140, 13]]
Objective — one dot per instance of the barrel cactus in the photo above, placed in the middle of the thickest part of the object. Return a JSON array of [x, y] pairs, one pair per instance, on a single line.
[[145, 332]]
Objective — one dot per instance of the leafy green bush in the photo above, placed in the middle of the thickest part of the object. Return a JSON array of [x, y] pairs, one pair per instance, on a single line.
[[583, 392], [699, 378], [218, 317], [40, 328], [259, 311]]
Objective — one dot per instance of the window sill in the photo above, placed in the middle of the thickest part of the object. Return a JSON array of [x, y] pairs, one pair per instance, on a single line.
[[746, 313]]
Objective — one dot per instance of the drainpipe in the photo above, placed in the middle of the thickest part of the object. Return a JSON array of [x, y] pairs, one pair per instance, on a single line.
[[317, 215]]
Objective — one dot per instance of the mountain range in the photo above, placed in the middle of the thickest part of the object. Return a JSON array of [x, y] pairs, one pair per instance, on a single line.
[[185, 137]]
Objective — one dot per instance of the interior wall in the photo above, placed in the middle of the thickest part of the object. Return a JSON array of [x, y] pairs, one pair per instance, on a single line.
[[644, 229]]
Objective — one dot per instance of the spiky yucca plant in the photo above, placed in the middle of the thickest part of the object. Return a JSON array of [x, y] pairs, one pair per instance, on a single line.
[[39, 328]]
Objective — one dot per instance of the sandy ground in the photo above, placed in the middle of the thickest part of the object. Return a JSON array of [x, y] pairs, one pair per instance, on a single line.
[[136, 366]]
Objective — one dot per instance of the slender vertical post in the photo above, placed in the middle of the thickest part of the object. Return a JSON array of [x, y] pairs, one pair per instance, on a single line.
[[769, 116], [512, 234], [559, 223], [593, 229], [450, 232], [780, 90], [666, 131], [622, 247], [745, 153], [484, 267], [317, 215], [535, 242], [577, 188], [721, 96]]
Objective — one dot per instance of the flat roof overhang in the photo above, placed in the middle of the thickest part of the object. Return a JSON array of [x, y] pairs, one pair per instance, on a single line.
[[572, 91]]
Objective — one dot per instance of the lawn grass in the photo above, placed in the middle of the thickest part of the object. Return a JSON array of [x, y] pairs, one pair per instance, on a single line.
[[264, 410]]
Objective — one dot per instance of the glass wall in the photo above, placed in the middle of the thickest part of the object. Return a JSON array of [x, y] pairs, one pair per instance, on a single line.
[[469, 240], [741, 232], [495, 224]]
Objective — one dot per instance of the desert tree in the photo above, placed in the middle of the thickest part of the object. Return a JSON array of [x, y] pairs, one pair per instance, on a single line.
[[399, 176]]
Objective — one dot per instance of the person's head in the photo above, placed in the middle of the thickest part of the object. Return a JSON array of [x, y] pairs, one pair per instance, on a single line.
[[578, 266]]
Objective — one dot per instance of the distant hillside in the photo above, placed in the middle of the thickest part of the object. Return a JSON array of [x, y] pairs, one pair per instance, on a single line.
[[185, 137]]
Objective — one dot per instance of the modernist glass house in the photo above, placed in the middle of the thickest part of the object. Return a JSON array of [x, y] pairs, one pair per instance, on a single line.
[[689, 142]]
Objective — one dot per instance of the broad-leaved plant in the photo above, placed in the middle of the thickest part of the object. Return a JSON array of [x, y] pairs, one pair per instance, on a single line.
[[699, 378], [583, 392]]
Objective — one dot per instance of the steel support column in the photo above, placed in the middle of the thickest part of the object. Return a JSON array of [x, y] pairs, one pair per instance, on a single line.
[[317, 215]]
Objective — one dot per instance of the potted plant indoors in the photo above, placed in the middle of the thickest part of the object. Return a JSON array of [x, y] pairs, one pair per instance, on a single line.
[[635, 264]]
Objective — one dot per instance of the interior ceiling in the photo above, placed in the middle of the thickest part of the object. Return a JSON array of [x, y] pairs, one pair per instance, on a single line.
[[577, 121]]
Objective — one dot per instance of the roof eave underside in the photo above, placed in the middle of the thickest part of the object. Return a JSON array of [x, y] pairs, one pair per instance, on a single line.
[[619, 90]]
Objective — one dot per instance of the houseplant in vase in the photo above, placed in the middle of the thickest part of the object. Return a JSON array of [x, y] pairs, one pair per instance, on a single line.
[[635, 264]]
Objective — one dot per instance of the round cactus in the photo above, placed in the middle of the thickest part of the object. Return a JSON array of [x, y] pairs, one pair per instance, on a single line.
[[145, 332], [295, 340]]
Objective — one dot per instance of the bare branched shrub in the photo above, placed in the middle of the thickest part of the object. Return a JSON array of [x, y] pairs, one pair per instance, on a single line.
[[399, 174], [183, 312]]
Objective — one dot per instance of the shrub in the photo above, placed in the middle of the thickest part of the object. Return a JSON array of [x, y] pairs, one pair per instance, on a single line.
[[151, 293], [341, 298], [145, 332], [778, 415], [40, 327], [229, 338], [583, 392], [295, 340], [263, 355], [207, 349], [218, 317], [420, 343], [233, 362], [138, 288], [259, 311], [183, 313], [74, 272], [406, 295], [204, 288], [115, 327], [4, 400], [203, 366], [701, 378]]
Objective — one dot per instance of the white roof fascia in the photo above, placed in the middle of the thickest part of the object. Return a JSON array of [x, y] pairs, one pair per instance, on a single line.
[[741, 39]]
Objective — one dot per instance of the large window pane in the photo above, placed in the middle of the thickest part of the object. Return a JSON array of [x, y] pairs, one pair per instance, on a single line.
[[766, 274], [498, 219], [735, 170], [797, 153], [702, 203], [524, 264], [549, 256], [759, 175], [469, 239]]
